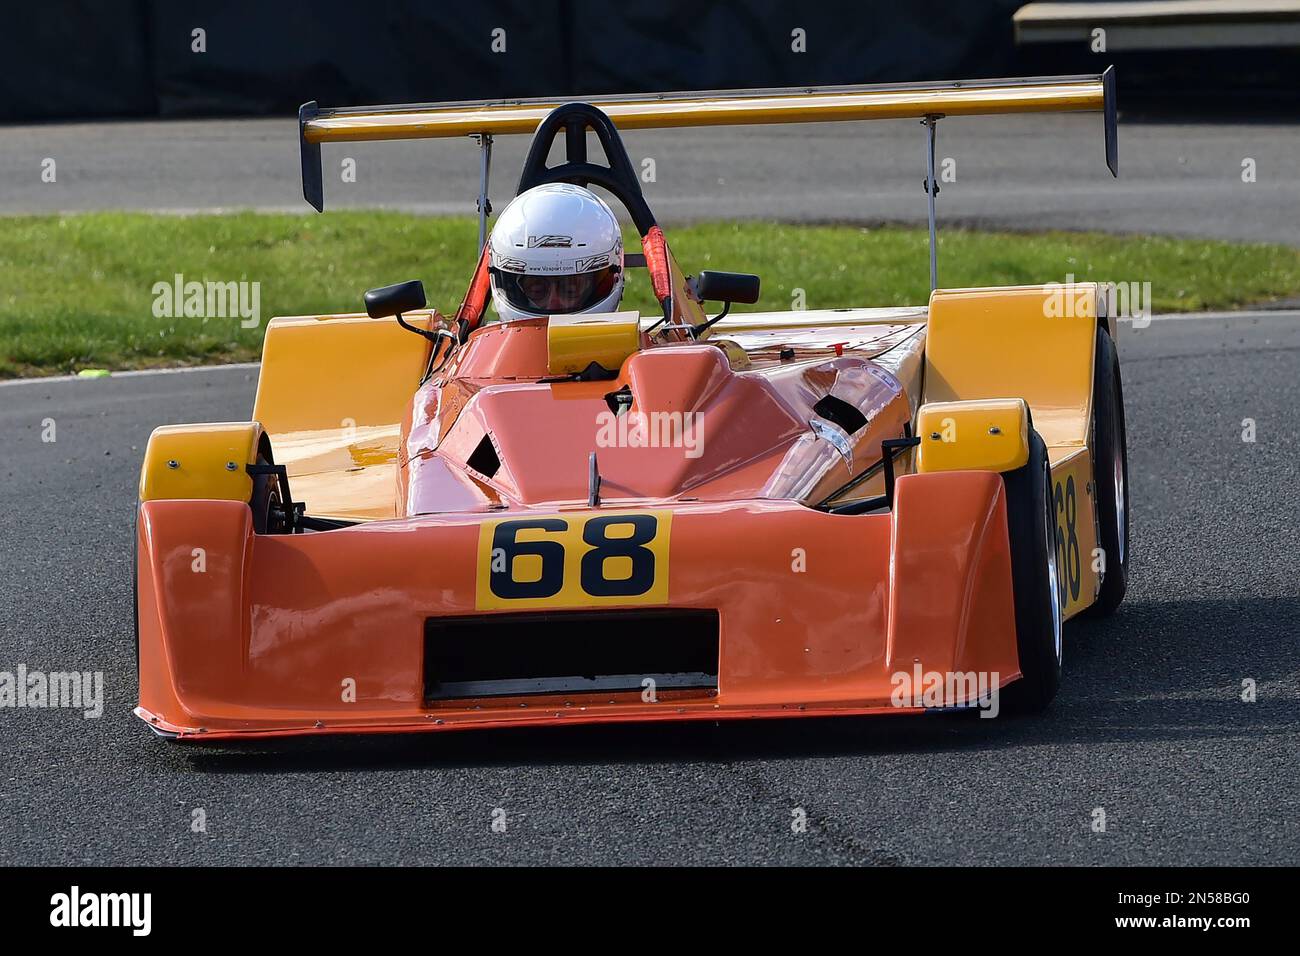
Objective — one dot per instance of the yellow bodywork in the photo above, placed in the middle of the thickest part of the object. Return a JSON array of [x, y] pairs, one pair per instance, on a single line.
[[575, 341], [1030, 342], [200, 461], [1074, 499], [1035, 343], [718, 109], [332, 394], [983, 435]]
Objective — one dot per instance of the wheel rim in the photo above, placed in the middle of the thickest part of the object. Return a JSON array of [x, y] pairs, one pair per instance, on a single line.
[[273, 520], [1121, 508], [1053, 575], [275, 511]]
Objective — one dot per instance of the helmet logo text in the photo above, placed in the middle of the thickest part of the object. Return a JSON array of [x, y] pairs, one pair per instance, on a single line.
[[550, 242]]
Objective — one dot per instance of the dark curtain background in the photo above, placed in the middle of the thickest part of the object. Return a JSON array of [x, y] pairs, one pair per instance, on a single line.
[[81, 59]]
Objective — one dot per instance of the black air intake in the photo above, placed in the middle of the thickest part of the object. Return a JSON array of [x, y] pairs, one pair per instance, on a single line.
[[508, 655]]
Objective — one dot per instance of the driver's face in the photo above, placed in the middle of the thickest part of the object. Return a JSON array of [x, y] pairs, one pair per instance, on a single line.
[[557, 293]]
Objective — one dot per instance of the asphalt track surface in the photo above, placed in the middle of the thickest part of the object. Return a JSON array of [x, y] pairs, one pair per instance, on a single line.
[[1015, 172], [1149, 725]]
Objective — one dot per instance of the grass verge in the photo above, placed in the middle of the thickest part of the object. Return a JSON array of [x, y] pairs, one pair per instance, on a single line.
[[78, 291]]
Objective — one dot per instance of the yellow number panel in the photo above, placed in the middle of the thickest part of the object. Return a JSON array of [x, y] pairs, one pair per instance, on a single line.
[[591, 559], [1074, 500]]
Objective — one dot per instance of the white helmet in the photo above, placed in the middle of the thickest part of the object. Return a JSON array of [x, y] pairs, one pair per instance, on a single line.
[[556, 249]]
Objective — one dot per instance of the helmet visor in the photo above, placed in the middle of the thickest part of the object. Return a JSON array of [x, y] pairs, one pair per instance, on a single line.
[[555, 294]]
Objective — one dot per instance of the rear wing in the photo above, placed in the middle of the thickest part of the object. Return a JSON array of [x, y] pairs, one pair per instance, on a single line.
[[927, 102]]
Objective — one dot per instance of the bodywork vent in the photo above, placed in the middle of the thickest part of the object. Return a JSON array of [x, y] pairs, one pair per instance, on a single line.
[[484, 458], [836, 410], [509, 655]]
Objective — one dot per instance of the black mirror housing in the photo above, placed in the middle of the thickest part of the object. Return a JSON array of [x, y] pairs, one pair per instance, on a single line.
[[395, 299], [727, 287]]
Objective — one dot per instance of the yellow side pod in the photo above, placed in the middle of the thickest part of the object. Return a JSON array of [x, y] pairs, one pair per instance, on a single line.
[[332, 394], [1030, 342], [200, 461], [988, 435], [335, 371]]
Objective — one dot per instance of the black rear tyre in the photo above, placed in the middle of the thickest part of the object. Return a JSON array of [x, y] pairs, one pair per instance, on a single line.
[[268, 512], [1031, 523], [1110, 471]]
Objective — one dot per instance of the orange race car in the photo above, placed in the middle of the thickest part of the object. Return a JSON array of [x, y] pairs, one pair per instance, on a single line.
[[578, 514]]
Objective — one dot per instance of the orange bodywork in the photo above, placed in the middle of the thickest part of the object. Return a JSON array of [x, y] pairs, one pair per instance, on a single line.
[[264, 641], [810, 612]]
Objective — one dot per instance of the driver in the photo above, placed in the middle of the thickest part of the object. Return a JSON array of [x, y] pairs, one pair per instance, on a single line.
[[555, 250]]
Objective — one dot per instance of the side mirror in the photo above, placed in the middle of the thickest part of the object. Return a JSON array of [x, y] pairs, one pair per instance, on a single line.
[[724, 287], [403, 297], [395, 299], [727, 287]]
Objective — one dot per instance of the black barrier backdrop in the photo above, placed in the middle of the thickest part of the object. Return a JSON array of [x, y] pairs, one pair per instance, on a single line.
[[687, 44], [92, 59], [81, 59], [270, 57], [74, 59]]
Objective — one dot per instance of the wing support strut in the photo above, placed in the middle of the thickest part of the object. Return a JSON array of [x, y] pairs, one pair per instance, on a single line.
[[931, 124]]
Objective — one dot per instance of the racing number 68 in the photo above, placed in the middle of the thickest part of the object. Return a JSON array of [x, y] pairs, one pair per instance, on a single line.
[[1067, 539], [616, 564]]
